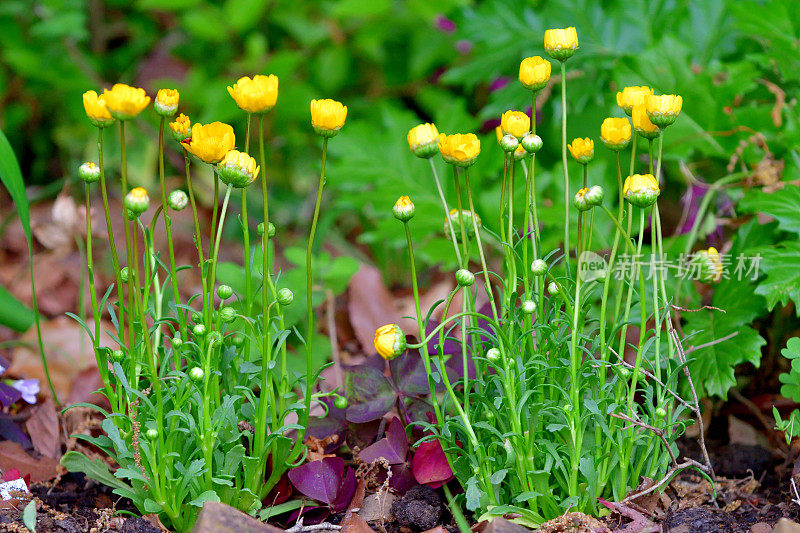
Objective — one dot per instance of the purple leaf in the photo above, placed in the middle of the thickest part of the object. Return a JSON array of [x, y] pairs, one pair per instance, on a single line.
[[10, 430], [430, 465], [402, 478], [393, 447], [9, 395], [346, 491], [319, 480], [311, 515], [451, 346], [419, 410], [408, 374], [371, 395], [333, 424]]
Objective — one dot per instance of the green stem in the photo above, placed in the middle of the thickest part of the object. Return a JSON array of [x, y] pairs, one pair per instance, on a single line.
[[446, 213], [564, 161], [215, 253], [125, 224]]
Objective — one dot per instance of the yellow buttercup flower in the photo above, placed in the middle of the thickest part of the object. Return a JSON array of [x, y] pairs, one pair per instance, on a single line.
[[534, 73], [582, 150], [423, 140], [180, 128], [237, 169], [390, 341], [642, 124], [632, 96], [561, 43], [459, 149], [125, 102], [96, 110], [615, 133], [210, 142], [515, 123], [662, 110], [166, 103], [327, 116], [257, 95], [641, 190]]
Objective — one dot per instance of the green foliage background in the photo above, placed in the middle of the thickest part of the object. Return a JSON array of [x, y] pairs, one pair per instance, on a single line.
[[396, 63]]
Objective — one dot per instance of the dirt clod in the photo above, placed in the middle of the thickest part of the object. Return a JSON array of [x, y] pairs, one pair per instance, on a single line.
[[420, 509], [138, 525], [698, 520], [736, 460]]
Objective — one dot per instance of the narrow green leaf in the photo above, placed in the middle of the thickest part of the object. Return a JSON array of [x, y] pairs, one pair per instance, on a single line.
[[29, 516]]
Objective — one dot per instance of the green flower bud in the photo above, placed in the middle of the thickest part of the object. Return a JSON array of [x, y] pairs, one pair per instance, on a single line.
[[552, 288], [237, 169], [340, 402], [594, 196], [177, 200], [237, 340], [117, 356], [214, 337], [89, 172], [661, 412], [580, 202], [176, 343], [464, 277], [532, 143], [285, 297], [456, 220], [125, 274], [227, 314], [260, 229], [539, 267], [404, 209], [196, 374], [136, 202], [509, 143], [641, 190], [151, 434], [199, 330], [493, 355], [196, 317], [224, 292], [529, 307]]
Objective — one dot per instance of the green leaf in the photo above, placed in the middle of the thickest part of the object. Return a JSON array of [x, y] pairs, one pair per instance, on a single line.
[[783, 205], [93, 468], [29, 516], [781, 266], [13, 313], [207, 496], [791, 380]]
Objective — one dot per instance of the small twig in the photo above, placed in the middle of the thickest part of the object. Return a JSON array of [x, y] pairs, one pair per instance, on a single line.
[[712, 343], [323, 526], [688, 463], [659, 432]]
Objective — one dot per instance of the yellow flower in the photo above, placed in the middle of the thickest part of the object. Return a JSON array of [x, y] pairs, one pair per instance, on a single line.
[[716, 261], [520, 153], [180, 128], [641, 190], [390, 341], [404, 209], [499, 132], [136, 202], [210, 142], [582, 150], [327, 116], [423, 140], [459, 149], [166, 103], [662, 110], [561, 43], [515, 123], [125, 102], [615, 133], [96, 110], [632, 96], [534, 73], [257, 95], [237, 169], [642, 124]]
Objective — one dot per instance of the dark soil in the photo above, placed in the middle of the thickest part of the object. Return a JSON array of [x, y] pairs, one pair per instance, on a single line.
[[420, 509]]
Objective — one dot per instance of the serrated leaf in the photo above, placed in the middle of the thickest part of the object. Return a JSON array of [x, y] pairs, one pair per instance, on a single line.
[[783, 205], [781, 266]]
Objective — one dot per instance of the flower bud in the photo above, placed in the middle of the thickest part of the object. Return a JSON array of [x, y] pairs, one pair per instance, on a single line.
[[196, 374], [625, 372], [117, 356], [534, 73], [340, 402], [662, 110], [509, 143], [642, 124], [196, 317], [89, 172], [237, 340], [661, 412], [327, 117], [177, 200], [528, 307], [707, 265], [532, 143], [214, 338], [423, 140], [180, 128], [224, 292], [151, 434], [125, 102], [96, 110], [237, 169], [641, 190], [166, 103], [632, 96], [553, 288], [516, 124], [227, 314], [615, 133], [520, 153], [561, 43], [579, 201], [404, 209], [594, 196], [390, 341], [493, 355], [464, 277], [176, 342], [459, 149], [456, 220], [136, 202], [582, 150], [285, 297], [125, 274], [539, 267], [199, 330], [260, 229]]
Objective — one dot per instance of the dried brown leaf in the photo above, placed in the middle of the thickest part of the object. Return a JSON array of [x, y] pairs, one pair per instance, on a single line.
[[42, 428]]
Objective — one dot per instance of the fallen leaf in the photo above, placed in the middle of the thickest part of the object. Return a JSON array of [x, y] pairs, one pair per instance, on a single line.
[[42, 427], [13, 456], [353, 523], [369, 304]]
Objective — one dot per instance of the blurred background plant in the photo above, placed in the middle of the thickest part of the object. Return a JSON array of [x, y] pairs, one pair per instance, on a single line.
[[454, 62]]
